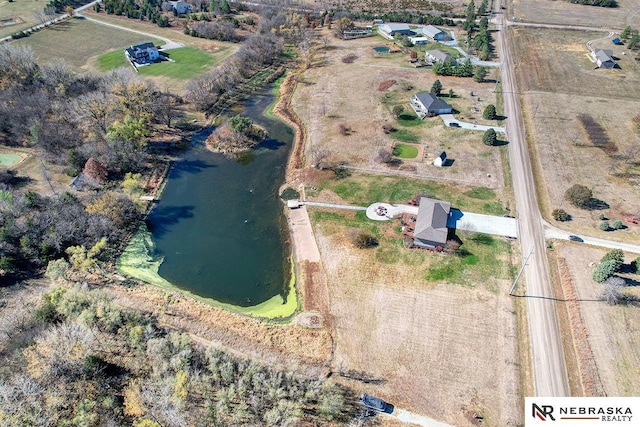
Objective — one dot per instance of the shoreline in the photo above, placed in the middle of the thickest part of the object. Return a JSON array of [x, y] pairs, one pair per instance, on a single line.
[[136, 260]]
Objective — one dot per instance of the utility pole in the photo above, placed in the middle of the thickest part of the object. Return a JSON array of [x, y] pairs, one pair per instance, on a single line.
[[524, 264]]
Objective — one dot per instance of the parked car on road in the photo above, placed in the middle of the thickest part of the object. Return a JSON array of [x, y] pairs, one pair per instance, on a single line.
[[575, 238], [454, 125]]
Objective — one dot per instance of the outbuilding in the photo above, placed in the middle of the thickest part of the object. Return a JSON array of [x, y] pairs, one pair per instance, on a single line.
[[393, 30], [434, 33], [441, 160]]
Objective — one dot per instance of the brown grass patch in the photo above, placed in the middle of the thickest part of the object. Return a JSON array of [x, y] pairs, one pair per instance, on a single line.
[[386, 85], [613, 332], [597, 134]]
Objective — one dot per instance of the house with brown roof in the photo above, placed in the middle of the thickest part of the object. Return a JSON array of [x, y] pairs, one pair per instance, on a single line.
[[431, 226]]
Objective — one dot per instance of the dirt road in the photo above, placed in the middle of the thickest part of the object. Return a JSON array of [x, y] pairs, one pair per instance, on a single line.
[[549, 371]]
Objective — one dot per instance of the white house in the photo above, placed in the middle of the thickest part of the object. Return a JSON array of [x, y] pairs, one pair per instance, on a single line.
[[434, 33], [604, 58], [441, 160], [391, 30], [427, 104], [438, 56], [181, 7]]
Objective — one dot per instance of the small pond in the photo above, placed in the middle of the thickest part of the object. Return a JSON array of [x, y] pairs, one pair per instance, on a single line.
[[218, 231], [381, 49]]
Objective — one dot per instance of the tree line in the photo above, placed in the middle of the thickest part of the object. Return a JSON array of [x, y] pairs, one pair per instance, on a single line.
[[68, 119], [83, 360]]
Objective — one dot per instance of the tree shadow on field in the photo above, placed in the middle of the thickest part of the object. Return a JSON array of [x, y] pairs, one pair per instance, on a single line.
[[60, 26], [597, 205]]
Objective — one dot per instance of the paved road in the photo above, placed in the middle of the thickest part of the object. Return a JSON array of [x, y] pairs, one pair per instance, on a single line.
[[549, 371]]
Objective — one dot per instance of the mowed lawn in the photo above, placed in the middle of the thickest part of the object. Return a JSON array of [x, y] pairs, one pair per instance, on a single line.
[[16, 16], [187, 63], [76, 41]]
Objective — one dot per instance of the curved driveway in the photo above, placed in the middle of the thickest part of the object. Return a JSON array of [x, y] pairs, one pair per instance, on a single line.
[[169, 44]]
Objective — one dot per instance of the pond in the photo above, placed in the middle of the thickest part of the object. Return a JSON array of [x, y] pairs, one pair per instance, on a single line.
[[218, 231], [381, 49]]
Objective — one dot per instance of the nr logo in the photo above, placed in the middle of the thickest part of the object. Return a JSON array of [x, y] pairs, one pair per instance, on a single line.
[[542, 412]]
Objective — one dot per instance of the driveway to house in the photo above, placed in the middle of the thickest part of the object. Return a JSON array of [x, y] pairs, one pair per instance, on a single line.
[[488, 224], [449, 118], [169, 44], [551, 232], [411, 418]]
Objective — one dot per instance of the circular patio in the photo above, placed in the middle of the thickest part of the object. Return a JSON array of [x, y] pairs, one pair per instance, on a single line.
[[383, 211]]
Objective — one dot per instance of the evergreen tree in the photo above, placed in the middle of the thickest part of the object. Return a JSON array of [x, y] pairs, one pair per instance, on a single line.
[[489, 112], [489, 137], [436, 88]]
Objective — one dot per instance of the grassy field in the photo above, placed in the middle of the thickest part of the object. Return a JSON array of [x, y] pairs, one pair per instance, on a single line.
[[555, 92], [363, 190], [321, 103], [189, 62], [564, 12], [71, 42], [16, 16]]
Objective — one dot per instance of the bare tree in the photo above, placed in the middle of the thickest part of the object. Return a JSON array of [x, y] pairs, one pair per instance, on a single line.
[[318, 155], [611, 295]]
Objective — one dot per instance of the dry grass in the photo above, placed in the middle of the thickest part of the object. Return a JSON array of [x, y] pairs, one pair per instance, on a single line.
[[336, 93], [613, 331], [559, 84], [564, 12], [424, 341]]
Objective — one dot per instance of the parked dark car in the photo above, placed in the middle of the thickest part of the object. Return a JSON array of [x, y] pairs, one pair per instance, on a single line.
[[454, 125], [575, 238], [374, 403]]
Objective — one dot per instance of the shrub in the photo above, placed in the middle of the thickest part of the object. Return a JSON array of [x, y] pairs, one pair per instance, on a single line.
[[618, 225], [489, 113], [578, 195], [364, 241], [560, 215], [615, 255], [603, 271], [602, 216], [348, 59], [397, 110], [604, 226], [489, 137], [635, 265]]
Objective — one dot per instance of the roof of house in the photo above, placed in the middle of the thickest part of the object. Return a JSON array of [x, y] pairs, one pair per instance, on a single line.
[[439, 55], [603, 55], [431, 224], [394, 27], [418, 39], [431, 31], [432, 102]]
